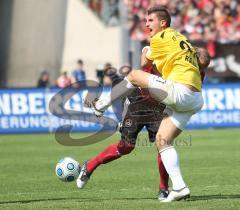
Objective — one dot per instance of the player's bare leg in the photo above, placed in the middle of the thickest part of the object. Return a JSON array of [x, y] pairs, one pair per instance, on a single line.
[[164, 140], [139, 78], [124, 88]]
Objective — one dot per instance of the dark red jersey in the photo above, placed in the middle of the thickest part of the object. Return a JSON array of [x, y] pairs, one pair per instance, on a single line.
[[144, 92]]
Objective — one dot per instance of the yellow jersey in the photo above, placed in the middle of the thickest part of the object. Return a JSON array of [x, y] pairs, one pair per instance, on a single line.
[[175, 58]]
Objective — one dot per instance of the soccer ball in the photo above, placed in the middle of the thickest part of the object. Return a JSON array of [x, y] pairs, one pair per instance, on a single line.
[[67, 169]]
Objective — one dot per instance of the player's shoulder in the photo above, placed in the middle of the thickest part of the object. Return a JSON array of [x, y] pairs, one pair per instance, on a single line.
[[172, 34], [164, 35]]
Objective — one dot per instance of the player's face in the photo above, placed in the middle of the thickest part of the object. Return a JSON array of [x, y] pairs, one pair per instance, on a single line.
[[153, 24]]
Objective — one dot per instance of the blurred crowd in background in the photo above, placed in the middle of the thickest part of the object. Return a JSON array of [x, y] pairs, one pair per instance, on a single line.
[[205, 21], [209, 20], [65, 79], [77, 77]]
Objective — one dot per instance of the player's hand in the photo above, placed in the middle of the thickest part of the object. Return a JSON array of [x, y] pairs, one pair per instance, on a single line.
[[145, 62], [145, 49]]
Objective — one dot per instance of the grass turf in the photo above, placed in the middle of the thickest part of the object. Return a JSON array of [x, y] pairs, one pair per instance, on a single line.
[[210, 161]]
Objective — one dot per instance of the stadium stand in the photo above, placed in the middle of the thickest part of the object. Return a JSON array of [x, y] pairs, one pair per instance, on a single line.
[[209, 20], [214, 24], [106, 10]]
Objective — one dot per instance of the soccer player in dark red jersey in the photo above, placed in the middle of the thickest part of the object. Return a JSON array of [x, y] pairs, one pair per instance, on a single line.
[[140, 111]]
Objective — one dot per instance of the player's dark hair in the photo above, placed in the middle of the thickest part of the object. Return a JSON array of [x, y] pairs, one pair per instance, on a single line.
[[161, 12], [203, 57]]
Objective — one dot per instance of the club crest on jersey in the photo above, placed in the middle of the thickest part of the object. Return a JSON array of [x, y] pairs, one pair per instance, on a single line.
[[128, 123]]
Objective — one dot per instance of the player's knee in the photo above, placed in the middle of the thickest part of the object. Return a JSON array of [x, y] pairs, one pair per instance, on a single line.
[[158, 137], [132, 76], [125, 147], [161, 142]]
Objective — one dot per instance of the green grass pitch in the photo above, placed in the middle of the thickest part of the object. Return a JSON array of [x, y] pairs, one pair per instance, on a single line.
[[210, 162]]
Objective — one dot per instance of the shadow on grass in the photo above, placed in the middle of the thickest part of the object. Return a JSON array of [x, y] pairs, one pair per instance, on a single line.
[[213, 197], [77, 199], [193, 198]]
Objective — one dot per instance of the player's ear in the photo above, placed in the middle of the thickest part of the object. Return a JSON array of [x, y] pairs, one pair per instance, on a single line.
[[163, 23]]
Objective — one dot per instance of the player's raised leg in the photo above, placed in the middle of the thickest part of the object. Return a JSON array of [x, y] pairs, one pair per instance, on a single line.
[[136, 78]]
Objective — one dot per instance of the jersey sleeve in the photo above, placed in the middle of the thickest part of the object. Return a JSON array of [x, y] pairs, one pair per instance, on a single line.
[[155, 48]]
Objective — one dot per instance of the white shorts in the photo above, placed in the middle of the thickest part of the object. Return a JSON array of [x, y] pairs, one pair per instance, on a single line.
[[181, 102]]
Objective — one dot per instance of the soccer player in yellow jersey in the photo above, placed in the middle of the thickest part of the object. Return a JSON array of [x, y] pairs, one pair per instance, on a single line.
[[179, 88]]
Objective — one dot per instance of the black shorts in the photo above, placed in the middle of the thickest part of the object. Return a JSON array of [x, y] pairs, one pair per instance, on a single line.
[[139, 115]]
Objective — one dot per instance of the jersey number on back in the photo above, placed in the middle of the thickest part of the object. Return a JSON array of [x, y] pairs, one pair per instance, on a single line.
[[184, 44]]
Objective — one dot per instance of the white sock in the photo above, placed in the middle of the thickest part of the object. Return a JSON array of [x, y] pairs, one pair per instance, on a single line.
[[170, 160], [119, 91]]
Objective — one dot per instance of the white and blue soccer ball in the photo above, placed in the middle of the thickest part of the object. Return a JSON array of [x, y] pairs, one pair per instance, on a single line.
[[67, 169]]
